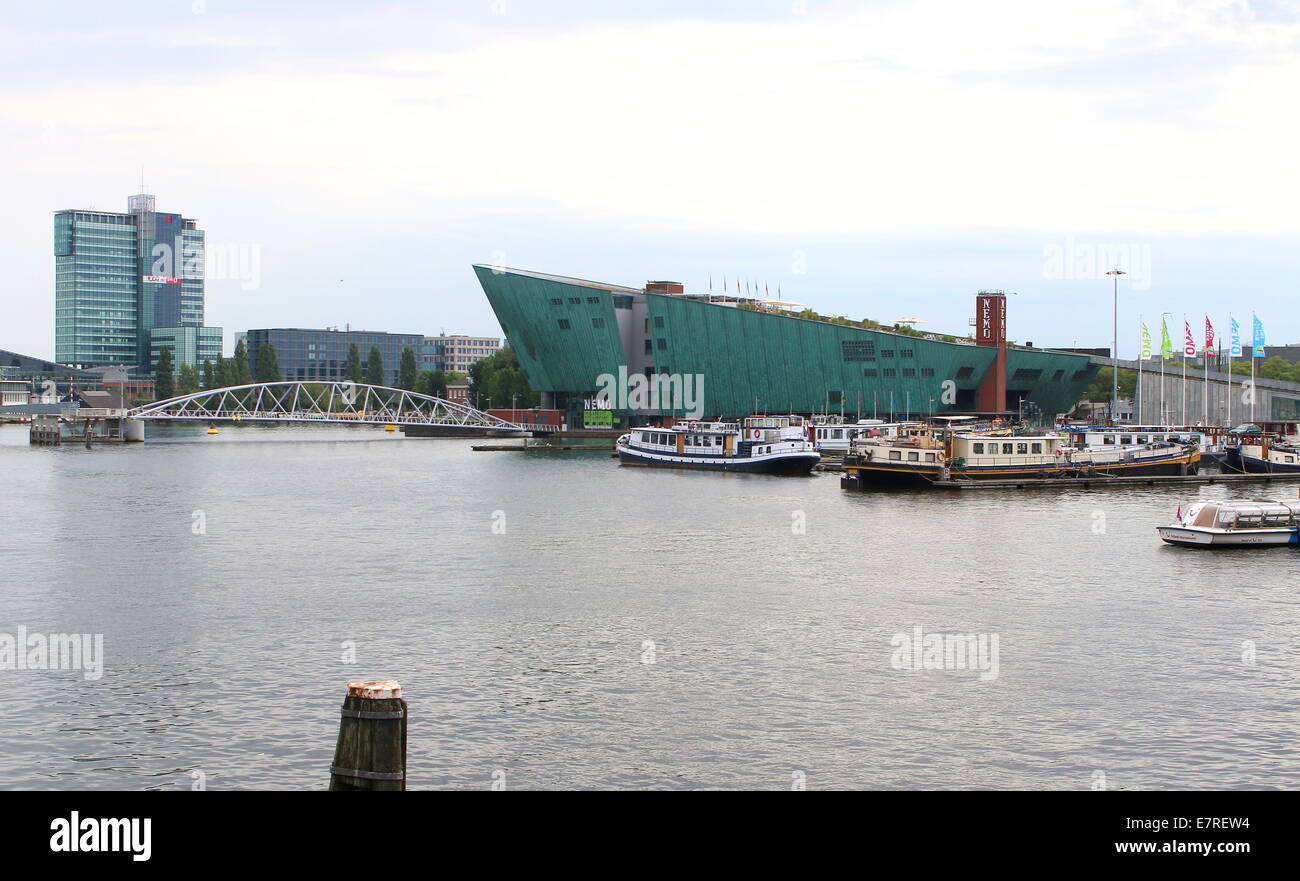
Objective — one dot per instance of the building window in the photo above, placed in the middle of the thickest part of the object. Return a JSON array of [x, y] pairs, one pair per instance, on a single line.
[[870, 373], [1026, 374], [964, 372], [564, 324], [594, 300], [659, 321], [906, 353], [890, 373], [575, 301], [927, 371], [597, 323], [556, 301], [649, 347], [622, 302], [661, 343], [909, 372], [886, 353], [1058, 376], [858, 350]]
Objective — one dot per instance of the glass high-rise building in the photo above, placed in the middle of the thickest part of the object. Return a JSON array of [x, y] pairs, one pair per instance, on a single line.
[[127, 283]]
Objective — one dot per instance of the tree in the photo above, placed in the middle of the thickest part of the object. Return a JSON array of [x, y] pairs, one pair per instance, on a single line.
[[209, 374], [352, 370], [375, 367], [268, 365], [1276, 367], [1100, 388], [499, 378], [222, 373], [407, 370], [243, 374], [432, 383], [189, 381], [164, 380]]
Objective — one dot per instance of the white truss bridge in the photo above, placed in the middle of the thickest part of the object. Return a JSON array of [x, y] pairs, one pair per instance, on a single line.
[[337, 403]]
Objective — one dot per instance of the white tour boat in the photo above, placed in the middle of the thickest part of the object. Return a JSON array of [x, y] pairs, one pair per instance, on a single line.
[[764, 444], [1256, 523], [835, 438]]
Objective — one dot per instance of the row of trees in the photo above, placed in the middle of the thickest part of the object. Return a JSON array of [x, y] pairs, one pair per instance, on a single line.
[[499, 382]]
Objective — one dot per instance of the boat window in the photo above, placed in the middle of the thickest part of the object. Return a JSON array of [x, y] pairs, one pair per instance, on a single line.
[[895, 455], [1196, 438], [1022, 449], [1277, 520], [1006, 449], [1037, 448], [1246, 521], [929, 457], [1290, 460], [1108, 439], [1126, 439], [1205, 516], [978, 449], [914, 457]]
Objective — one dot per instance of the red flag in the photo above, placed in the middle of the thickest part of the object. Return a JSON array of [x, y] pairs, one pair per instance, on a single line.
[[1209, 336], [1189, 344]]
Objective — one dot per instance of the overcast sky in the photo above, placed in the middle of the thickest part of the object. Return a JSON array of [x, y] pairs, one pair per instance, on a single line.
[[350, 161]]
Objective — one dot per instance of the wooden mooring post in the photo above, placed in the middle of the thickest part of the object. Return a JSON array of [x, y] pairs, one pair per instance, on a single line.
[[371, 751]]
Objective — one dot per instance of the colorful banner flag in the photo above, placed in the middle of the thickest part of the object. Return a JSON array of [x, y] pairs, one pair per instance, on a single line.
[[1146, 342], [1189, 344], [1166, 344], [1257, 347], [1209, 338], [1234, 348]]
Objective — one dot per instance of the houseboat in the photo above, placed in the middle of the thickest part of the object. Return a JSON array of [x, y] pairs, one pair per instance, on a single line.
[[762, 444], [924, 456], [1210, 438], [1257, 523], [833, 438], [1264, 448]]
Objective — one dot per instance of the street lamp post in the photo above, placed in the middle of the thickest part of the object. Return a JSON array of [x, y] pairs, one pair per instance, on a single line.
[[1114, 344]]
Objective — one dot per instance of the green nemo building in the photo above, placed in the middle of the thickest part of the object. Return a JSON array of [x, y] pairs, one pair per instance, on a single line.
[[572, 335]]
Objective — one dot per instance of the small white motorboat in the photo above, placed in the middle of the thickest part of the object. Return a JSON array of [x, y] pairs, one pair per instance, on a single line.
[[1229, 524]]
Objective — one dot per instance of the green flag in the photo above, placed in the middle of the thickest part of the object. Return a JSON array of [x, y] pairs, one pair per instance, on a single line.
[[1166, 345]]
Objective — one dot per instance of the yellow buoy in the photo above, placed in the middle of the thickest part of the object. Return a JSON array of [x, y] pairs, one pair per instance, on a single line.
[[212, 431], [390, 428]]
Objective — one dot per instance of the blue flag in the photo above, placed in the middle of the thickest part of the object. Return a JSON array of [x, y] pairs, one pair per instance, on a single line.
[[1234, 349], [1257, 347]]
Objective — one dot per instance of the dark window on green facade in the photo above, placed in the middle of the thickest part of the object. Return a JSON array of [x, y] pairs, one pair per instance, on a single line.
[[1024, 373], [870, 373], [661, 343], [575, 301], [890, 373], [907, 353], [886, 353], [556, 301], [857, 350], [927, 371], [659, 321], [594, 300], [1058, 376], [909, 372], [564, 324], [965, 372], [597, 323]]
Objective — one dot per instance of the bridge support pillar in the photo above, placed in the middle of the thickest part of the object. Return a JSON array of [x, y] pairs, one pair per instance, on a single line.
[[133, 430]]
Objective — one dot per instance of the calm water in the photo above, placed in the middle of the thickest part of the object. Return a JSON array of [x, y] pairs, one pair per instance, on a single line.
[[629, 628]]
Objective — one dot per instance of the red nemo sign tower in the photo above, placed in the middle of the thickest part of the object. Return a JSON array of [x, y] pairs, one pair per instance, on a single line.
[[991, 330]]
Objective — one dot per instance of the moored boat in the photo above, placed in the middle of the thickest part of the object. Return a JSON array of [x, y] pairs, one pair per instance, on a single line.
[[1256, 523], [760, 444], [923, 456]]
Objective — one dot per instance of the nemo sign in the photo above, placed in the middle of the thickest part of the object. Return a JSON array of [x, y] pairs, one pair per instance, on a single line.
[[991, 319]]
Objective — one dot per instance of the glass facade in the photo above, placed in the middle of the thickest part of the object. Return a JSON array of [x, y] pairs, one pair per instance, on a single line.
[[457, 352], [120, 276], [305, 354], [189, 345]]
